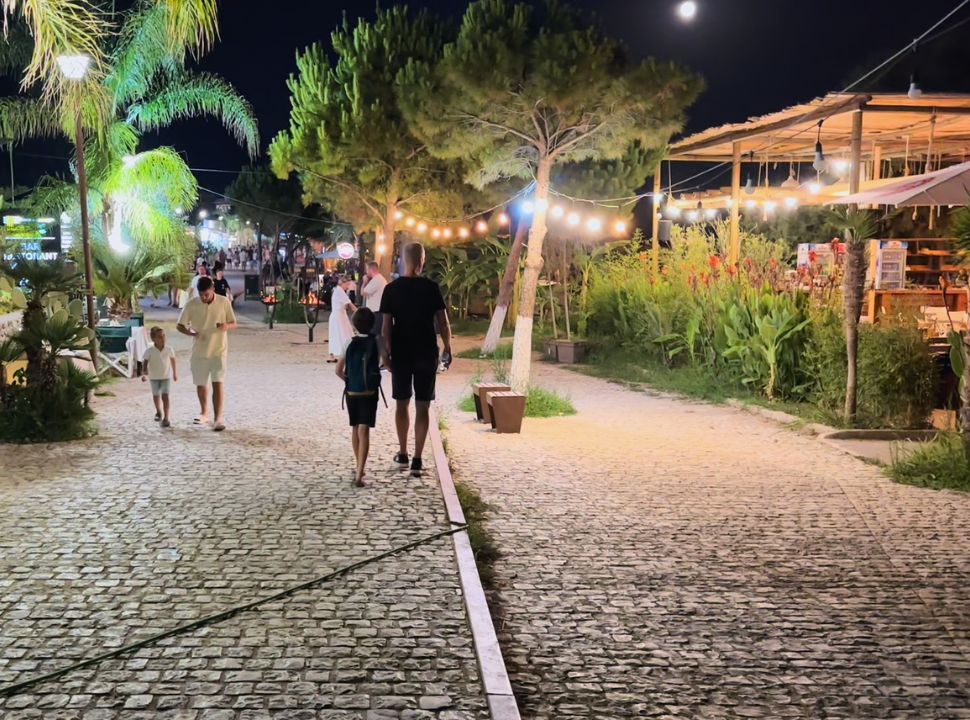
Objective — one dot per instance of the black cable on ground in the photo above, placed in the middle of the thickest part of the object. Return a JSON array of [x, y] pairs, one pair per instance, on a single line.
[[223, 615]]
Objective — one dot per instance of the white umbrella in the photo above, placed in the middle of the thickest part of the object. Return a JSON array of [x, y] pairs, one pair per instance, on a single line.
[[950, 186]]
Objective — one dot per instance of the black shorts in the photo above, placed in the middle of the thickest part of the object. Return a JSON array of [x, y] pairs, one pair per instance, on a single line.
[[417, 373], [362, 409]]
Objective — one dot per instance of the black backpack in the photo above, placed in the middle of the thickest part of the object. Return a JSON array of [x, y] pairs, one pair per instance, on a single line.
[[362, 367]]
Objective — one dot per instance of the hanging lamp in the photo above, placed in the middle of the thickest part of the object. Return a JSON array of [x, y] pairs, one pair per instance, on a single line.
[[819, 164], [915, 91]]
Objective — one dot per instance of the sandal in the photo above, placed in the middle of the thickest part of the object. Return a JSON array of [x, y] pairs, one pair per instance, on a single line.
[[201, 420], [218, 427]]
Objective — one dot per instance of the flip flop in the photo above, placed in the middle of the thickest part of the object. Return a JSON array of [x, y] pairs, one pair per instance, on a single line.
[[218, 427], [201, 420]]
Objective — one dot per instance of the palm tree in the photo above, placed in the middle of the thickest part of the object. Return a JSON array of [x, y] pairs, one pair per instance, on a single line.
[[857, 227], [125, 279], [145, 86]]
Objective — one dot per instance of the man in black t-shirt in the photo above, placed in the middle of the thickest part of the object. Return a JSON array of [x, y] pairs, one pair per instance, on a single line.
[[412, 305], [220, 283]]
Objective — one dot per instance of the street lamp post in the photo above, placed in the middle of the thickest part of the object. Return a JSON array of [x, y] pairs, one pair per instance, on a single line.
[[75, 67]]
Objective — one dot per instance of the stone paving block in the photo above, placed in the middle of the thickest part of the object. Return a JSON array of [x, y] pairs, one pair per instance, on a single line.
[[131, 533]]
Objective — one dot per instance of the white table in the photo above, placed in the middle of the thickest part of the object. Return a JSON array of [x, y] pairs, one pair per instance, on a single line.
[[137, 345]]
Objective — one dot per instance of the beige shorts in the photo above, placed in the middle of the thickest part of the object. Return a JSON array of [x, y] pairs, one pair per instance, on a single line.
[[206, 370]]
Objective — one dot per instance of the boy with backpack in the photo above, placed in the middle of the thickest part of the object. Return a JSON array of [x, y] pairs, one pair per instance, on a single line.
[[360, 369]]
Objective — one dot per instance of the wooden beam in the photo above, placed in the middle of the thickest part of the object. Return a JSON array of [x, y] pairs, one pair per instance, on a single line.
[[923, 110], [734, 243], [820, 113]]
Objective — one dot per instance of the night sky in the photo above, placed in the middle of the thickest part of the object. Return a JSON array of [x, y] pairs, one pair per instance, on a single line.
[[756, 56]]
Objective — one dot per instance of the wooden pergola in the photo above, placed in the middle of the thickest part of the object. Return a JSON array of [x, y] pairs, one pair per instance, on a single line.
[[870, 133]]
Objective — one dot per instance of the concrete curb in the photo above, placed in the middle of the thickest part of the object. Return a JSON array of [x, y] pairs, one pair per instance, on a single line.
[[491, 664]]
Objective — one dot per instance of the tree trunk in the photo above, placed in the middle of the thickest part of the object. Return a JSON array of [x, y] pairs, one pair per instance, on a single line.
[[965, 391], [853, 289], [505, 291], [522, 343], [386, 258], [565, 293]]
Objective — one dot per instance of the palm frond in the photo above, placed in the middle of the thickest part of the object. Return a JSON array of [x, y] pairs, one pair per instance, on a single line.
[[192, 24], [16, 52], [198, 95], [58, 27], [960, 229], [53, 196], [143, 50], [857, 226], [23, 118]]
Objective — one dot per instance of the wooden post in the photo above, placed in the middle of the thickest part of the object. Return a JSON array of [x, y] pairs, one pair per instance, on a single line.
[[876, 162], [655, 220], [734, 245], [929, 164], [855, 171]]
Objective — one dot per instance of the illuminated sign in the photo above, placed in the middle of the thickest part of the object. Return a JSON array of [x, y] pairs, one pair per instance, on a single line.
[[33, 238], [345, 250]]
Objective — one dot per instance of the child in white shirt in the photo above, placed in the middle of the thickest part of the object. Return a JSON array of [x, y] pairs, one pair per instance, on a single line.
[[159, 367]]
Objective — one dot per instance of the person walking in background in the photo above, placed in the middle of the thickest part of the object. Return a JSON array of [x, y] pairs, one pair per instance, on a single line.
[[160, 368], [412, 305], [200, 272], [360, 370], [341, 308], [220, 284], [372, 290], [207, 319]]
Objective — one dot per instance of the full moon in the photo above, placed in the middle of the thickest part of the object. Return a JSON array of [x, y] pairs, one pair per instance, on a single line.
[[687, 10]]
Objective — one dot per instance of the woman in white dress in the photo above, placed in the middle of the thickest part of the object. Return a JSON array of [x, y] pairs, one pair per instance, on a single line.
[[341, 308]]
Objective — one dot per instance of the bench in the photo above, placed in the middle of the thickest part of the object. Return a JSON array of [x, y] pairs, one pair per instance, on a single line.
[[480, 392], [507, 409]]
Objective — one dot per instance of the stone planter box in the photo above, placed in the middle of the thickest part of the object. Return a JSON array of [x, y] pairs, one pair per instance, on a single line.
[[571, 351]]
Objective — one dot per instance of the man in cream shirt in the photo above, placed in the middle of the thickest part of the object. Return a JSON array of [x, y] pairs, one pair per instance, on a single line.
[[372, 289], [207, 318]]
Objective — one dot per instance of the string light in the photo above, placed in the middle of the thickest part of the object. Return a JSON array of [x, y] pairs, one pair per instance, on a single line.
[[791, 203], [410, 221], [503, 219], [814, 188], [446, 232], [711, 213], [398, 215], [381, 248], [422, 227], [573, 219], [436, 233], [594, 224], [556, 212], [528, 207], [463, 232], [819, 163], [619, 227], [771, 206], [481, 227], [542, 204], [751, 204]]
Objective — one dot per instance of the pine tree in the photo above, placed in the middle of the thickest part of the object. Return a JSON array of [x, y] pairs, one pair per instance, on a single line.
[[518, 94], [348, 141]]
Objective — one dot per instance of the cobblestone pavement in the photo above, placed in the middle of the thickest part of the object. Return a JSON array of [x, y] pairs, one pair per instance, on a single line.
[[663, 558], [111, 540]]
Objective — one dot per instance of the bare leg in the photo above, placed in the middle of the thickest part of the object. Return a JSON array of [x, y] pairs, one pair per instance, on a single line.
[[363, 448], [421, 423], [203, 392], [217, 398], [353, 441], [402, 421], [165, 405], [158, 404]]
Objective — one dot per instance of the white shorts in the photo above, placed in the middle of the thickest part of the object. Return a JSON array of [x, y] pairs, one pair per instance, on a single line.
[[206, 370]]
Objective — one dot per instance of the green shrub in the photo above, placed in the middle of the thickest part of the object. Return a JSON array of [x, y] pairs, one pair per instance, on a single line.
[[502, 352], [482, 541], [539, 404], [940, 464], [896, 376]]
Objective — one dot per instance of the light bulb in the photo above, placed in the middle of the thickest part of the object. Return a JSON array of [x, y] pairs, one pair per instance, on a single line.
[[381, 248], [594, 224], [481, 227], [840, 166], [422, 227], [398, 215], [771, 206], [542, 204], [693, 216], [814, 188], [658, 198], [503, 219], [436, 233], [673, 211], [528, 207], [711, 213], [463, 232], [819, 163], [915, 91], [573, 219], [791, 203], [749, 187], [557, 211], [619, 227], [446, 232], [409, 222], [751, 204]]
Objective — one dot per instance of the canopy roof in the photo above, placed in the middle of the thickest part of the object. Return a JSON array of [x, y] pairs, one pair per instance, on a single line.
[[950, 186], [898, 126]]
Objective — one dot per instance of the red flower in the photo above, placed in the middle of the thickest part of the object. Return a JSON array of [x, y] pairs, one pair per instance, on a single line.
[[812, 256], [732, 270], [715, 262]]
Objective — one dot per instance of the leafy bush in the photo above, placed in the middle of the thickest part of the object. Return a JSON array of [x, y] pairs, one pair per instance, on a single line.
[[49, 400], [896, 376], [539, 404], [940, 464]]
